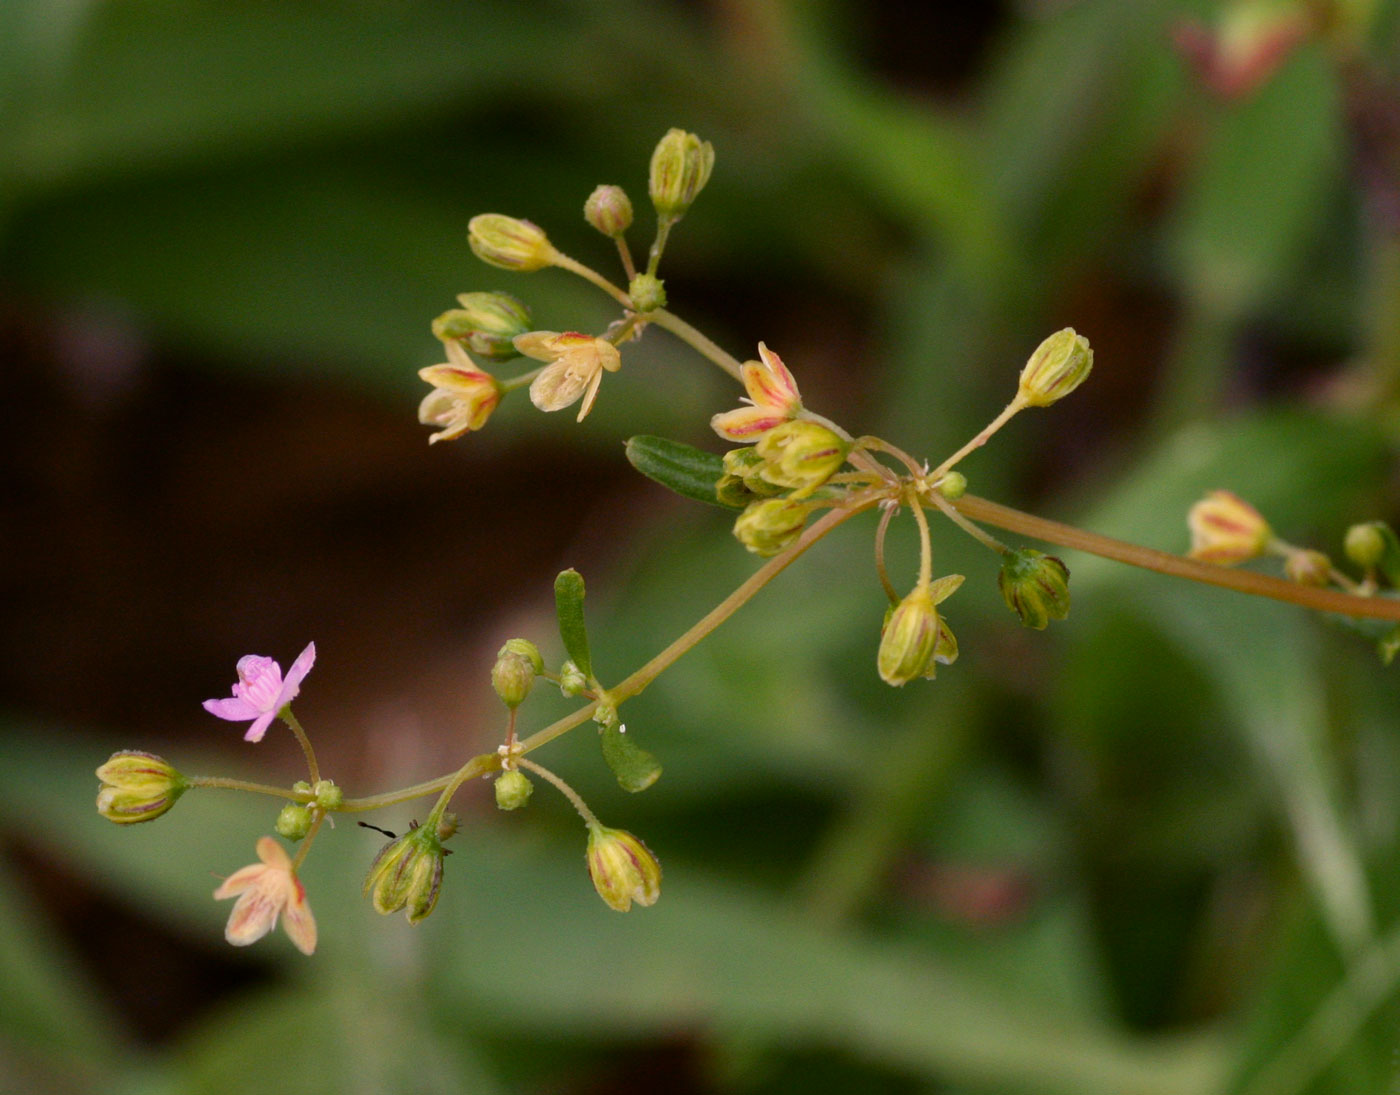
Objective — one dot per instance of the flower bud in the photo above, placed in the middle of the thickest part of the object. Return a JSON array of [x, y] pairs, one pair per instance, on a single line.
[[513, 675], [609, 210], [1035, 586], [407, 873], [953, 485], [915, 638], [647, 293], [1226, 530], [769, 526], [486, 323], [747, 466], [294, 822], [572, 682], [1308, 567], [1058, 366], [680, 167], [509, 242], [622, 868], [1365, 544], [137, 786], [801, 455], [513, 790]]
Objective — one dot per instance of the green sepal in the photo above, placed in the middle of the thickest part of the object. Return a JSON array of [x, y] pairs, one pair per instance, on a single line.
[[688, 471], [568, 603], [634, 767]]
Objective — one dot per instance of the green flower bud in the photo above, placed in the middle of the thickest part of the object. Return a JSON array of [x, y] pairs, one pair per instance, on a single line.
[[407, 874], [952, 485], [1035, 586], [509, 242], [680, 167], [609, 210], [769, 526], [328, 795], [513, 675], [572, 681], [294, 822], [801, 455], [137, 786], [622, 868], [647, 293], [747, 466], [1058, 366], [513, 790], [1308, 567], [486, 323], [1365, 544]]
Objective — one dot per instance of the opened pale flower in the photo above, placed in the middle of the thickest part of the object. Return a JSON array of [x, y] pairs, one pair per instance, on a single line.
[[462, 398], [266, 891], [576, 364], [773, 399], [261, 692]]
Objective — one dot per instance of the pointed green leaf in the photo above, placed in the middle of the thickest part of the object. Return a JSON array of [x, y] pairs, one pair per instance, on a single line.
[[568, 602], [634, 767], [688, 471]]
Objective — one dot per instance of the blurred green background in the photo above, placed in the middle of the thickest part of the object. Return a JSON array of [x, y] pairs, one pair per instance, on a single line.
[[1152, 851]]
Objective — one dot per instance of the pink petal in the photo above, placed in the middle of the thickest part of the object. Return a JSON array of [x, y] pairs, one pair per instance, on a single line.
[[259, 726], [232, 708], [296, 674], [746, 423], [298, 922], [239, 881], [273, 854], [771, 384], [254, 915]]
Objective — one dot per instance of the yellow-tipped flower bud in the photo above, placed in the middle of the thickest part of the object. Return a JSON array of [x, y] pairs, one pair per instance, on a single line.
[[1226, 530], [801, 455], [680, 167], [1035, 586], [769, 526], [622, 868], [294, 822], [572, 681], [513, 675], [1308, 567], [609, 210], [1365, 544], [513, 790], [915, 637], [485, 323], [509, 242], [407, 874], [1059, 365], [647, 292], [137, 786]]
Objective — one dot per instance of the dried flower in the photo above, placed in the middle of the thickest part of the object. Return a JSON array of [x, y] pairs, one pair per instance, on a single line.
[[773, 399], [622, 868], [462, 398], [576, 364], [266, 891], [260, 692]]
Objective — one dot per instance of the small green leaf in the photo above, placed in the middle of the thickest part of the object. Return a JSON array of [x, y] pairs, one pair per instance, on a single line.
[[634, 767], [682, 468], [568, 603]]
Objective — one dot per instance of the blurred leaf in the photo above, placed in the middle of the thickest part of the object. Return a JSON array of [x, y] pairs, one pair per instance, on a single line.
[[634, 767], [568, 604]]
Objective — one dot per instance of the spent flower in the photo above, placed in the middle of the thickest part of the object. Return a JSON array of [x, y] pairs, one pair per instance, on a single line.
[[261, 692], [915, 637], [1035, 586], [407, 874], [266, 891]]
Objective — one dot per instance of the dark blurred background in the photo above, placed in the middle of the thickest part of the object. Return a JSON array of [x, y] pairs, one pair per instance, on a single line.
[[1152, 850]]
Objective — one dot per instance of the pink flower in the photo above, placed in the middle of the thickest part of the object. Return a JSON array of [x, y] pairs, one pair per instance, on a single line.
[[266, 891], [773, 399], [260, 691]]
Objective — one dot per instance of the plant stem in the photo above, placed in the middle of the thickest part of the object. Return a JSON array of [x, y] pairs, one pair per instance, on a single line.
[[519, 381], [925, 543], [306, 841], [1014, 407], [1178, 566], [291, 720], [625, 254], [950, 511], [564, 262], [697, 341], [563, 788], [243, 785]]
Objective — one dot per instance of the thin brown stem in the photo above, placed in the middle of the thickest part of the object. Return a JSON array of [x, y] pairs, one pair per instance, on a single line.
[[696, 340]]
